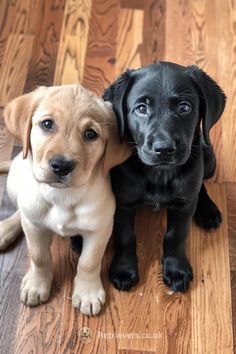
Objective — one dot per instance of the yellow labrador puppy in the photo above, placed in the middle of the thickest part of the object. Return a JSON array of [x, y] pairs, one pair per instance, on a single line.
[[60, 184]]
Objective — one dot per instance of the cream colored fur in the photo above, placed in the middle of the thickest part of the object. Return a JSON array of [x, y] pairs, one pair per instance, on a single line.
[[82, 205]]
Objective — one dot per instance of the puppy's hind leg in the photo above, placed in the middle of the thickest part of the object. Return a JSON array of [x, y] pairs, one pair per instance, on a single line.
[[10, 229], [207, 214]]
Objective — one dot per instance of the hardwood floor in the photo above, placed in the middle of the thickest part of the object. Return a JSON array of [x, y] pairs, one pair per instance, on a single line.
[[45, 42]]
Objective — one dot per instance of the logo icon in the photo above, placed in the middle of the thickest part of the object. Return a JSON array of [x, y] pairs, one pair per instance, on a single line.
[[85, 335]]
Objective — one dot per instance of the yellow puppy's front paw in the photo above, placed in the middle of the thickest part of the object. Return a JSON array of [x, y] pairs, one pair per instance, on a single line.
[[88, 297], [35, 288]]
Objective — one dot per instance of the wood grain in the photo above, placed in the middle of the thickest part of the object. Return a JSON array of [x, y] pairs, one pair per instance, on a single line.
[[129, 40], [46, 43], [227, 57], [154, 31], [210, 297], [73, 43], [231, 213], [16, 17], [14, 66], [101, 47]]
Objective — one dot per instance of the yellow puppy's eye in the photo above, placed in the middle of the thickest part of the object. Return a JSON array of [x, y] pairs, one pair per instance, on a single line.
[[90, 134], [47, 124]]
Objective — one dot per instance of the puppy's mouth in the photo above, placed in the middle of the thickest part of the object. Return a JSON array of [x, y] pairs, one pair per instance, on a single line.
[[57, 184], [60, 183], [150, 159]]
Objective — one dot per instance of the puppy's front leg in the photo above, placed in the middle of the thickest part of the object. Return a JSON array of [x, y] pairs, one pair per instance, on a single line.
[[36, 284], [89, 294], [177, 271]]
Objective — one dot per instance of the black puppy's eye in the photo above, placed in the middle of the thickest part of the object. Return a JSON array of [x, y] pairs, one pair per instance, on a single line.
[[142, 109], [90, 134], [47, 124], [184, 107]]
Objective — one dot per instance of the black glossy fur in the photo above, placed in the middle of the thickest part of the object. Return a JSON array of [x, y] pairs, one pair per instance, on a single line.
[[161, 108]]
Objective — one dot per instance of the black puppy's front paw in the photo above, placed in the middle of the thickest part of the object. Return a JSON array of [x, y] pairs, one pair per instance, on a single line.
[[124, 273], [207, 215], [177, 273]]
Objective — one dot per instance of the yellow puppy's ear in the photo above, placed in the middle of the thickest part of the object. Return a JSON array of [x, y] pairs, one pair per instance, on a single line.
[[18, 113], [116, 151]]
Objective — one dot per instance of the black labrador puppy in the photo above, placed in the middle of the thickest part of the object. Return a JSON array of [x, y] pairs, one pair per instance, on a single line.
[[166, 111]]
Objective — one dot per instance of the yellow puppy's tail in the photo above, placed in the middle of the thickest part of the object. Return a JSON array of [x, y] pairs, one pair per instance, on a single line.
[[5, 166]]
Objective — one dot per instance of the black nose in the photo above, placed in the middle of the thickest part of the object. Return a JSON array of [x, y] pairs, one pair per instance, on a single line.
[[164, 148], [60, 166]]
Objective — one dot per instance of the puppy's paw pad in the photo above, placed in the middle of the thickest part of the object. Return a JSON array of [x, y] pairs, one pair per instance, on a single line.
[[89, 301], [208, 216], [124, 277], [177, 274], [35, 289]]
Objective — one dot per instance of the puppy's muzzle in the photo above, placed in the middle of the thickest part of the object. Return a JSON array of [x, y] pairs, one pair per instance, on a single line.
[[60, 166], [164, 149]]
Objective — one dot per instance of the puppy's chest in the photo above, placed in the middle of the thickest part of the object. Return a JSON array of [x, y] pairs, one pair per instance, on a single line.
[[163, 196], [65, 222]]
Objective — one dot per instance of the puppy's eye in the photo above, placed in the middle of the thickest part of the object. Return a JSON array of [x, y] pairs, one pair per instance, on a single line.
[[184, 107], [141, 109], [47, 124], [90, 134]]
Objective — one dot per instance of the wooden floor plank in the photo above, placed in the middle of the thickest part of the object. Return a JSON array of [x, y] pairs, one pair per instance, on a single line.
[[101, 47], [231, 211], [16, 55], [16, 17], [46, 43], [154, 27], [210, 311], [227, 60], [129, 40], [73, 43]]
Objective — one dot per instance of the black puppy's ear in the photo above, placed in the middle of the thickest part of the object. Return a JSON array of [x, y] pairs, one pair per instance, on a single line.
[[212, 99], [115, 94]]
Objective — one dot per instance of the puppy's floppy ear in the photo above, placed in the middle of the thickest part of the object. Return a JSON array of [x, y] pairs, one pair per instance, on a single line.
[[212, 99], [18, 113], [116, 151], [116, 94]]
